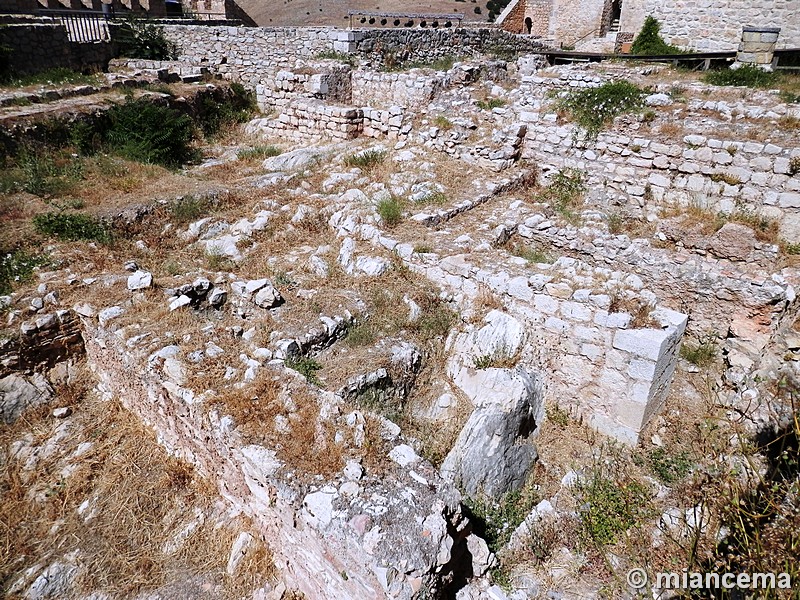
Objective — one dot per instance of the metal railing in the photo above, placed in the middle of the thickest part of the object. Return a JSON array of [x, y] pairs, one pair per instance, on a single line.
[[82, 25]]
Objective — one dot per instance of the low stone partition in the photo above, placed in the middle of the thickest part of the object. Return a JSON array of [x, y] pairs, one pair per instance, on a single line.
[[43, 341], [315, 120], [643, 173], [594, 362], [412, 90], [366, 532], [329, 80], [757, 47]]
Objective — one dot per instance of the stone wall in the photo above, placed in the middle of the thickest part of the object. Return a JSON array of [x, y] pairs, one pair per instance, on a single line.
[[393, 533], [250, 55], [714, 26], [412, 90], [314, 120], [42, 342], [37, 47], [426, 45], [640, 172]]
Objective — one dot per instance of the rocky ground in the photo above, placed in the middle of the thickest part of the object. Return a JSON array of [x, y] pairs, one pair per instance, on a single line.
[[406, 366]]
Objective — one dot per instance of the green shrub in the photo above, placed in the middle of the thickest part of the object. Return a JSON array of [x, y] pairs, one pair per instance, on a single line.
[[746, 75], [495, 521], [17, 267], [46, 174], [237, 106], [701, 354], [565, 192], [390, 211], [137, 38], [258, 153], [307, 367], [5, 63], [72, 227], [146, 132], [365, 160], [491, 103], [650, 43], [595, 108], [670, 468], [611, 507], [188, 209]]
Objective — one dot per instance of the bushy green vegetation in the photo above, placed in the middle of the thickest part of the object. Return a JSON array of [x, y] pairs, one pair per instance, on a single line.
[[495, 521], [142, 131], [72, 227], [307, 367], [258, 153], [700, 354], [41, 171], [670, 467], [390, 210], [17, 267], [649, 41], [565, 192], [367, 160], [214, 114], [746, 75], [138, 38], [595, 108], [611, 507]]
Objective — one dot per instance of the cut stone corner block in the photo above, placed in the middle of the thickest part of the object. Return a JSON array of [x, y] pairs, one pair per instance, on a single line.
[[651, 356]]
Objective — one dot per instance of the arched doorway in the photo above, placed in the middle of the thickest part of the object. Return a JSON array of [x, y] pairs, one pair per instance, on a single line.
[[528, 25]]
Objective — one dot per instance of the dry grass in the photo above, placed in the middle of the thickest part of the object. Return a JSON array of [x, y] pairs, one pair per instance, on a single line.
[[671, 130], [126, 477], [639, 311], [309, 447]]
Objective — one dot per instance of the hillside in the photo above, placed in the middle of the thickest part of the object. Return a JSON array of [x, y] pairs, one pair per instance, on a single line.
[[334, 12]]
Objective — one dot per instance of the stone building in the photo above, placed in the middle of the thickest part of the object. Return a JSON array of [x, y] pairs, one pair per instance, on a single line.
[[711, 25]]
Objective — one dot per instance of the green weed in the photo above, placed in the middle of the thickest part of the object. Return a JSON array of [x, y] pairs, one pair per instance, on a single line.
[[142, 131], [649, 41], [367, 160], [746, 75], [595, 108], [72, 227], [258, 153], [17, 267], [307, 367], [390, 210]]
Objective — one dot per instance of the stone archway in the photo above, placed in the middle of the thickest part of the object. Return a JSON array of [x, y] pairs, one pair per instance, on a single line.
[[528, 25]]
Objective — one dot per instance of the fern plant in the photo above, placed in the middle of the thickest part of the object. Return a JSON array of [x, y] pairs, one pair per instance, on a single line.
[[146, 132]]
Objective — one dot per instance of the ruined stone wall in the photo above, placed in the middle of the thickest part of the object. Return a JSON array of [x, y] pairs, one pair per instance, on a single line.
[[714, 26], [37, 47], [313, 120], [334, 540], [411, 90], [250, 55], [638, 171], [425, 45]]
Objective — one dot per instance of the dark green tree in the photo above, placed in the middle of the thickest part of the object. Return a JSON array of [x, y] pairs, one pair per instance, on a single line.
[[649, 41]]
